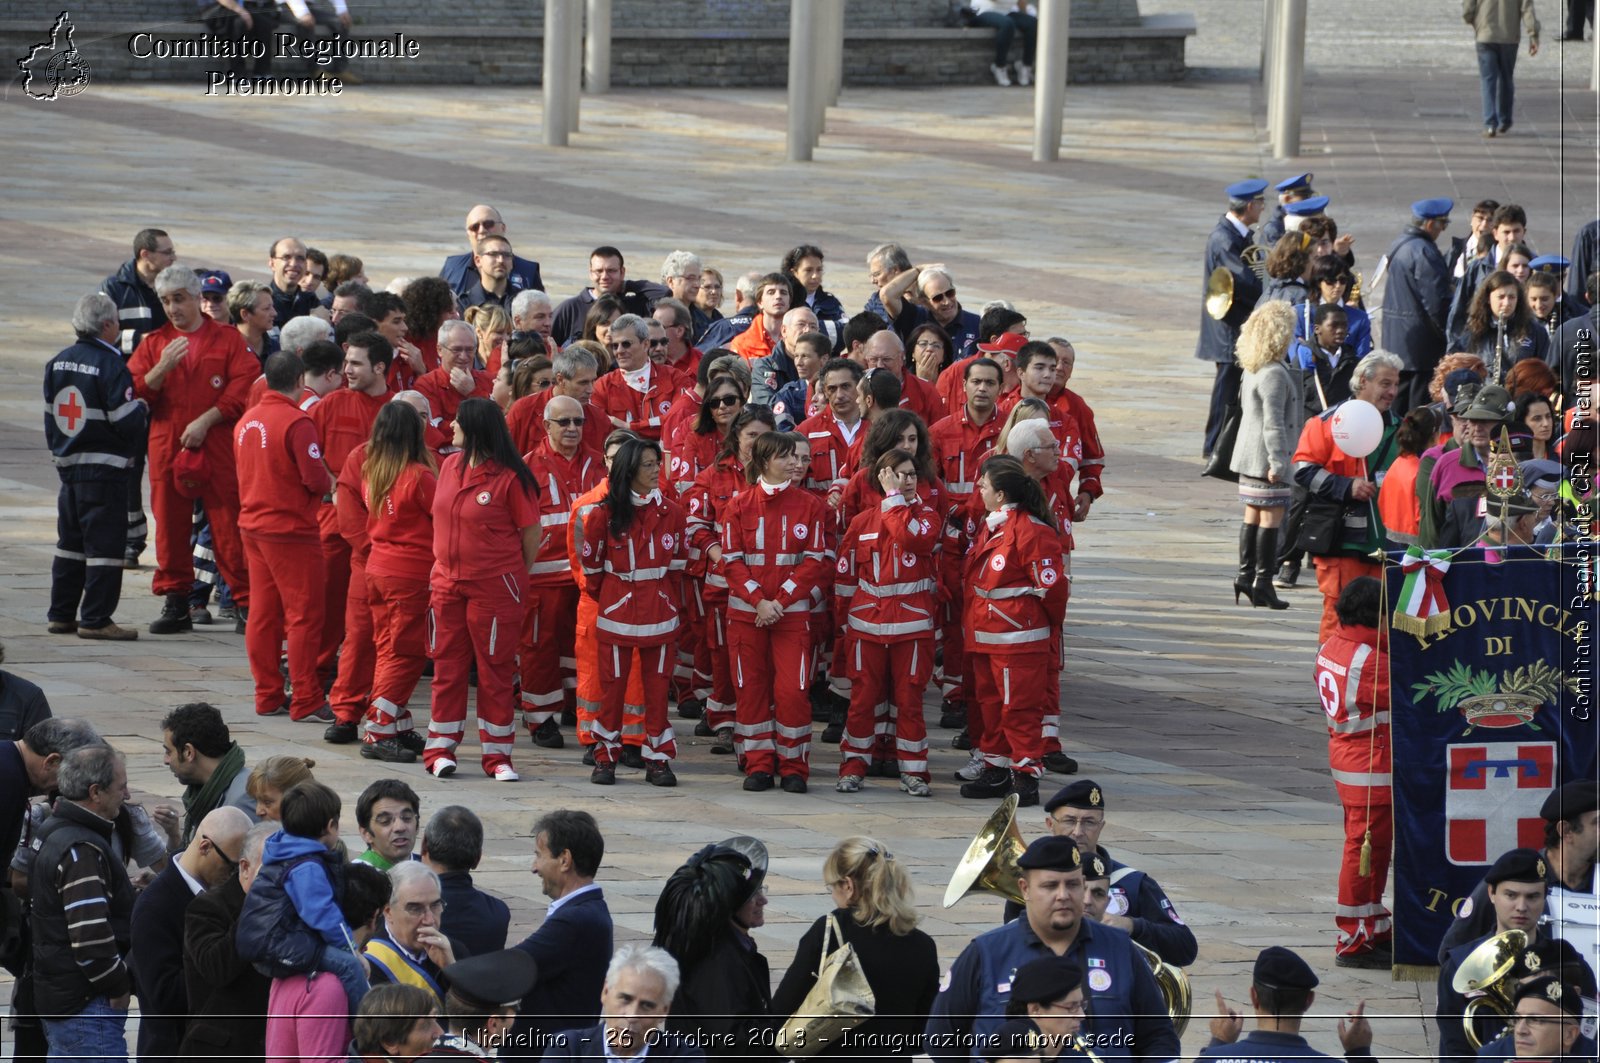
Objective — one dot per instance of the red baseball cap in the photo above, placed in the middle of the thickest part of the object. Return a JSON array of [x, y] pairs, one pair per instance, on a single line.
[[1005, 343]]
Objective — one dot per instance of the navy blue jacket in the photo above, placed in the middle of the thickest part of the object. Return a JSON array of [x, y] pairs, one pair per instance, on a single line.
[[1564, 349], [290, 305], [830, 316], [476, 919], [462, 276], [1453, 1041], [22, 704], [770, 373], [1416, 299], [963, 330], [1585, 257], [638, 297], [95, 427], [572, 949], [1503, 1050], [138, 308], [589, 1043], [1271, 1045], [789, 405], [721, 331], [155, 957], [1223, 248]]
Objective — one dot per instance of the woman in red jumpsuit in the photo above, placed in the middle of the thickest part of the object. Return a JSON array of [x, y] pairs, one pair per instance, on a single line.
[[1017, 599], [398, 483], [774, 549], [708, 593], [485, 538], [888, 555], [633, 561]]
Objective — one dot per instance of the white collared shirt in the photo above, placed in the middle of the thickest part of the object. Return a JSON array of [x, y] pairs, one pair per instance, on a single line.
[[194, 884], [559, 901]]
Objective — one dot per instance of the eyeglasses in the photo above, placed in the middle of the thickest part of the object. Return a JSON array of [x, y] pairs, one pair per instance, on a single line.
[[663, 342], [487, 223], [233, 865], [565, 422], [494, 254], [416, 909], [1074, 822], [1074, 1007], [1534, 1020], [462, 350], [928, 345], [724, 400], [944, 296]]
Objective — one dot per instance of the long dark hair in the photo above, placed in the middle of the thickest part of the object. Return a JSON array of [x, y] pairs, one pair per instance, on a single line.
[[751, 413], [396, 442], [485, 437], [619, 481], [605, 309], [885, 434], [1480, 321], [1006, 475], [767, 449], [704, 422]]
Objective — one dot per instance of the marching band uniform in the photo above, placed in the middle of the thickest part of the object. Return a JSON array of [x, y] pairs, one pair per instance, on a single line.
[[398, 566]]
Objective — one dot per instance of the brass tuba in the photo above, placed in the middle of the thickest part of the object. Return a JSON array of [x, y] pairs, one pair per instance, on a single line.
[[1219, 293], [1487, 972], [1255, 259], [1174, 986]]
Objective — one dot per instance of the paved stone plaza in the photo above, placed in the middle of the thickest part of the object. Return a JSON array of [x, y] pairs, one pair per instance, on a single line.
[[1196, 715]]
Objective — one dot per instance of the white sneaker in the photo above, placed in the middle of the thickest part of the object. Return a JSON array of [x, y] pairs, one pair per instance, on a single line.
[[1024, 75], [443, 768], [506, 773], [973, 769], [916, 787], [848, 784], [1001, 77]]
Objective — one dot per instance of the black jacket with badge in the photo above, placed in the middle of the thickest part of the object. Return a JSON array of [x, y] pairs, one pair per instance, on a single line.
[[96, 429], [138, 308]]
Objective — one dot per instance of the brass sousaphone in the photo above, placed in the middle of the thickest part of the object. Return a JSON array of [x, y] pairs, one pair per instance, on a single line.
[[990, 866], [1487, 972]]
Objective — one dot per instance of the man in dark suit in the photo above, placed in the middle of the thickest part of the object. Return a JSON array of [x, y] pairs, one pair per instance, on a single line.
[[156, 951], [227, 996], [639, 987], [573, 945], [452, 845], [1246, 200], [1416, 300]]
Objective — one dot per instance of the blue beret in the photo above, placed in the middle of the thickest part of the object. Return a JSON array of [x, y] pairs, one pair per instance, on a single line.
[[1247, 189], [1550, 262], [1307, 207], [1518, 865], [1081, 793], [1052, 852], [1298, 181], [1281, 969], [1428, 209]]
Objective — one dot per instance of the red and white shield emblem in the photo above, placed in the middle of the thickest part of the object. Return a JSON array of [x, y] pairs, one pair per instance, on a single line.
[[666, 541], [70, 411], [483, 498], [1492, 798], [800, 531]]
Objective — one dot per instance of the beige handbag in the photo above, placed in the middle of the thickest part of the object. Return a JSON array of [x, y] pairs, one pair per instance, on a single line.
[[841, 1000]]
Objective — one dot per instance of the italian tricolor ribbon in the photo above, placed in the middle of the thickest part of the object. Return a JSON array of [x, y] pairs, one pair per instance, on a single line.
[[1422, 609]]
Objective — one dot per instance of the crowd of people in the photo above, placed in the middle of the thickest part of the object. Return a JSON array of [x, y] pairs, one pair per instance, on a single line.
[[590, 510]]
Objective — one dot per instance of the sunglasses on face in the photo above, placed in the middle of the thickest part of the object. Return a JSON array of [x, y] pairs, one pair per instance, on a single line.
[[724, 400], [565, 422]]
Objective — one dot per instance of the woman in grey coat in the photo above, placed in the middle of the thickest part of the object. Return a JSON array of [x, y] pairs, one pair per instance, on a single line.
[[1269, 425]]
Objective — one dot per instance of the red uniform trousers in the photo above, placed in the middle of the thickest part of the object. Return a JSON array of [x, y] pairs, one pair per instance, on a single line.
[[691, 630], [1362, 919], [954, 642], [353, 689], [474, 619], [400, 632], [886, 684], [287, 576], [590, 692], [546, 652], [721, 705], [652, 666], [174, 517], [1010, 692], [1332, 575], [698, 617], [336, 566], [772, 676]]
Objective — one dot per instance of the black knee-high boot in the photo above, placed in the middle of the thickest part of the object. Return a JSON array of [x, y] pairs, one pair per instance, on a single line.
[[1245, 581], [1267, 552]]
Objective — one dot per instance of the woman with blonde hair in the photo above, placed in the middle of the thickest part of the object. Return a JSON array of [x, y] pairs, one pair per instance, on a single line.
[[875, 913], [271, 778], [494, 332], [1269, 425], [1025, 409]]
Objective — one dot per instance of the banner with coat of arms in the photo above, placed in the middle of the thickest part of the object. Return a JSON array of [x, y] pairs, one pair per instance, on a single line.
[[1492, 709]]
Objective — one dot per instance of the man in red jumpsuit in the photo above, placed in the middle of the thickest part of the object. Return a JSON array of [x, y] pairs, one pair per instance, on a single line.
[[455, 379], [1353, 684], [282, 481], [638, 393], [195, 374]]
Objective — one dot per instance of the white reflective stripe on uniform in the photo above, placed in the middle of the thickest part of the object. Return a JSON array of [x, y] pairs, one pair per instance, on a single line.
[[665, 627], [910, 627], [88, 413], [551, 520], [134, 313], [104, 562], [1354, 726], [1352, 678], [1010, 638], [638, 575], [1359, 911], [91, 457], [890, 590], [1361, 778], [959, 487], [1002, 593], [802, 606], [70, 556], [545, 568], [716, 579]]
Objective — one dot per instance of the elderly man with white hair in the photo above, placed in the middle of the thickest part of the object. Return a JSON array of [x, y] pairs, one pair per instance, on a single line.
[[457, 377], [196, 376], [681, 272], [640, 984], [532, 314], [410, 949], [928, 293], [639, 393]]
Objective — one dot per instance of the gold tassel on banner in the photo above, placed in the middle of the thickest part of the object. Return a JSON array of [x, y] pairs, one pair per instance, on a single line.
[[1366, 854]]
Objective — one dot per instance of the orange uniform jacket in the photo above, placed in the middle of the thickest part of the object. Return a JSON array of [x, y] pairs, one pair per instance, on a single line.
[[217, 371], [282, 478], [887, 561], [561, 480], [635, 576], [1017, 591], [774, 546], [1353, 685]]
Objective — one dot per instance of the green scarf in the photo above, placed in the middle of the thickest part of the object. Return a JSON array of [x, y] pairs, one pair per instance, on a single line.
[[200, 799]]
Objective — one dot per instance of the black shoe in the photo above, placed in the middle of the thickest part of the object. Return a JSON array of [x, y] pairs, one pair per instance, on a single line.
[[341, 734], [1380, 958], [724, 742], [1059, 763], [659, 773], [569, 717], [793, 784], [389, 750], [994, 782], [1247, 562], [241, 619], [412, 740], [588, 757], [832, 733], [322, 714], [632, 757], [199, 614], [548, 735], [603, 775], [1288, 575], [1261, 592], [952, 715], [962, 740], [174, 618], [703, 729], [883, 769], [691, 709], [1026, 787], [759, 781]]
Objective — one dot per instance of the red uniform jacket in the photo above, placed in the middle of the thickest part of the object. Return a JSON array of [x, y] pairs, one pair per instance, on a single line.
[[887, 559], [344, 421], [707, 501], [1353, 684], [1017, 592], [350, 506], [960, 447], [525, 419], [830, 451], [217, 371], [1093, 459], [258, 391], [920, 397], [444, 399], [952, 385], [775, 549], [641, 411], [561, 481], [1063, 425], [1059, 494], [401, 530], [281, 474], [692, 453], [861, 493], [478, 516], [635, 577], [401, 376]]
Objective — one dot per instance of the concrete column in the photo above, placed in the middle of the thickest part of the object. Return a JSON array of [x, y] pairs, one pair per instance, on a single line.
[[597, 47], [560, 76], [1594, 63], [1269, 61], [836, 54], [1050, 79], [822, 60], [804, 79], [1268, 32], [575, 61], [1291, 79]]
